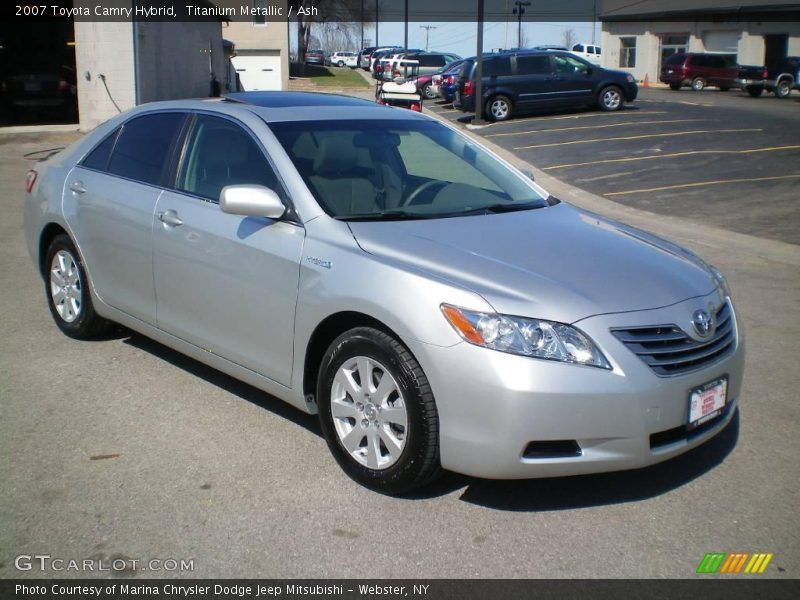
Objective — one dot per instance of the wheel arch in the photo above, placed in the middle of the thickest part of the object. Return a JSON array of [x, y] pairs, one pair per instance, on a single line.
[[323, 335], [49, 233]]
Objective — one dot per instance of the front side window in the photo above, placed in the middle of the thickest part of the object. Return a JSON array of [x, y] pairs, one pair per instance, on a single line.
[[373, 168], [143, 147], [219, 153], [627, 52], [568, 64]]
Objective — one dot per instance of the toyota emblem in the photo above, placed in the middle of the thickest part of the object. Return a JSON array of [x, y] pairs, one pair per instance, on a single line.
[[703, 323]]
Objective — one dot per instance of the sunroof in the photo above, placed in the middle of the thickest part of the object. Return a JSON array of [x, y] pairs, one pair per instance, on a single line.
[[293, 99]]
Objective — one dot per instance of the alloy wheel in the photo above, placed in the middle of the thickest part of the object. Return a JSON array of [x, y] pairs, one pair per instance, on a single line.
[[65, 286]]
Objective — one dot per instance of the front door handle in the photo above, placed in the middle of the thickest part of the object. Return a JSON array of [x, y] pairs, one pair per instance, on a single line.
[[77, 187], [170, 217]]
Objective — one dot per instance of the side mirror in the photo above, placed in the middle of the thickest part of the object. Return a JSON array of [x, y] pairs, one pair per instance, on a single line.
[[251, 201]]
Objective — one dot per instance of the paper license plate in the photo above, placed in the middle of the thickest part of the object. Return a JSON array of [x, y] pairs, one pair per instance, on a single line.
[[707, 401]]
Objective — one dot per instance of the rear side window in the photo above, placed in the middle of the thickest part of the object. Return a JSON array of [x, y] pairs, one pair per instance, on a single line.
[[143, 147], [577, 48], [98, 158], [676, 59], [533, 65], [219, 153], [430, 60], [497, 67]]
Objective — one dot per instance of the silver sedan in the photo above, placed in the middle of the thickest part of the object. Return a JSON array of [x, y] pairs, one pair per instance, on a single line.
[[435, 307]]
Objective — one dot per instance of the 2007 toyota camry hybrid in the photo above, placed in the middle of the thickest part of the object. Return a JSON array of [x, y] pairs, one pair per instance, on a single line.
[[435, 307]]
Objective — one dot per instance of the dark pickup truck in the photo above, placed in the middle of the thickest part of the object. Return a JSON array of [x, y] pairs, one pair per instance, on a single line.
[[780, 78]]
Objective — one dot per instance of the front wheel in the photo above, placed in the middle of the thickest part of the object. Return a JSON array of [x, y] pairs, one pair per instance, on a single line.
[[67, 291], [377, 412], [499, 108], [698, 84], [675, 86], [340, 64], [783, 89], [610, 98]]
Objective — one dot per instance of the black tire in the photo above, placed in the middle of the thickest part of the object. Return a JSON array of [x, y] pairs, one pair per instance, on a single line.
[[499, 108], [85, 324], [698, 84], [754, 91], [427, 91], [340, 64], [675, 86], [610, 98], [783, 88], [723, 88], [418, 462]]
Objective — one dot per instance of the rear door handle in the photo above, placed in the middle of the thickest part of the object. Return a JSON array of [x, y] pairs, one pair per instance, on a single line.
[[77, 187], [170, 217]]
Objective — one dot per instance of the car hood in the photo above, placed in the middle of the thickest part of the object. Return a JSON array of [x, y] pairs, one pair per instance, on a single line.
[[557, 263]]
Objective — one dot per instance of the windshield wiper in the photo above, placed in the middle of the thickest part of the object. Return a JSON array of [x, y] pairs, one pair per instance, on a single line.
[[503, 207], [386, 215]]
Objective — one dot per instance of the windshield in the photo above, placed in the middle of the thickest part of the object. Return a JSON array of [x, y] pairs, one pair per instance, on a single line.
[[400, 168]]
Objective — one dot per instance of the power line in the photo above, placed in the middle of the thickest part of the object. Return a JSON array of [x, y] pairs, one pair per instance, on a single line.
[[427, 29]]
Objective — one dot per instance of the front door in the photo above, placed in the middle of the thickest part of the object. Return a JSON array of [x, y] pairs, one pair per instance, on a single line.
[[574, 79], [226, 283]]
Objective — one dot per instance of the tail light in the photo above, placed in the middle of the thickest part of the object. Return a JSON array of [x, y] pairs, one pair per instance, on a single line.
[[765, 74], [451, 79], [416, 107], [30, 180], [396, 73], [63, 85], [469, 88]]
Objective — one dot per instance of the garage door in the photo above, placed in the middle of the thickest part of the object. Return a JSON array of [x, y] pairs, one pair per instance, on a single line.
[[258, 72], [721, 41]]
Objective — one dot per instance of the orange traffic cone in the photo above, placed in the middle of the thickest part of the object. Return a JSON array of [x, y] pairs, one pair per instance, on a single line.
[[646, 82]]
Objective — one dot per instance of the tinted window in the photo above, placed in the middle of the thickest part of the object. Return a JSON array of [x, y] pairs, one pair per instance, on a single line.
[[98, 158], [497, 67], [578, 48], [143, 147], [429, 60], [533, 65], [219, 153], [697, 60], [676, 59]]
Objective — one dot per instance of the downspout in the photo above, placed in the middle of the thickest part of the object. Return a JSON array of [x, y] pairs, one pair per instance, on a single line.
[[136, 75]]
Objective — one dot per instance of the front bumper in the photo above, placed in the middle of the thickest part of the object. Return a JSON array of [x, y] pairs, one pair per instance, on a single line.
[[492, 405]]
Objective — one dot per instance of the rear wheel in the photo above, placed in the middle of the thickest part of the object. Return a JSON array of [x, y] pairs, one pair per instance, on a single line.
[[499, 108], [340, 63], [675, 86], [377, 412], [784, 88], [754, 91], [67, 291], [698, 84], [610, 98], [427, 91]]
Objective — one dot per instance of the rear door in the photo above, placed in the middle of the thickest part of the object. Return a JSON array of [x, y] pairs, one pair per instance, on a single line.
[[226, 283], [535, 81], [109, 202]]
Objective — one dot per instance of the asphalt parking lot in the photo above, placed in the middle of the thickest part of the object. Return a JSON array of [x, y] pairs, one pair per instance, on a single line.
[[123, 448], [719, 158]]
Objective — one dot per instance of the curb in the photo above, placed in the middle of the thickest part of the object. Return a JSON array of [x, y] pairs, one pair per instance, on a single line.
[[702, 238]]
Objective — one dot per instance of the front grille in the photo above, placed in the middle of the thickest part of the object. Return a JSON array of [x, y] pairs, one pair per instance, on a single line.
[[669, 351]]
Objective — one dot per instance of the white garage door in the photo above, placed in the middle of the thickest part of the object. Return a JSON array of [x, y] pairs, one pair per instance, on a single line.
[[721, 41], [258, 72]]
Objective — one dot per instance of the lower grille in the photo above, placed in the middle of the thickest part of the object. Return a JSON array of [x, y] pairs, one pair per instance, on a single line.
[[669, 351], [552, 449]]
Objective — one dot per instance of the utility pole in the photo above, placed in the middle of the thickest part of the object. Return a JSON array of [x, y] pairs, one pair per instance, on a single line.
[[376, 23], [405, 42], [478, 120], [427, 29], [519, 11], [361, 47]]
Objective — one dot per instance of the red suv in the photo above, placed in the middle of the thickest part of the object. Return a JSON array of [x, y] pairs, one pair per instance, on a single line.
[[700, 70]]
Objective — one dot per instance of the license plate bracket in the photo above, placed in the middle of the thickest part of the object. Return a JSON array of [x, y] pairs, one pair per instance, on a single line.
[[706, 402]]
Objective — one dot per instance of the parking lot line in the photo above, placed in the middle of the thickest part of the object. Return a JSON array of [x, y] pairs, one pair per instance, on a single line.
[[673, 155], [702, 183], [626, 124], [638, 137], [631, 113]]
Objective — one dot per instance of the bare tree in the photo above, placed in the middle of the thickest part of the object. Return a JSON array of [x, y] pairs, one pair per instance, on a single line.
[[523, 38], [339, 12], [570, 39]]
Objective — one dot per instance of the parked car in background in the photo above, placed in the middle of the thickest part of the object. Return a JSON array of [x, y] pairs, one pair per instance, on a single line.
[[781, 78], [344, 59], [698, 70], [590, 52], [431, 62], [445, 84], [376, 67], [363, 57], [49, 95], [542, 340], [517, 82], [315, 57]]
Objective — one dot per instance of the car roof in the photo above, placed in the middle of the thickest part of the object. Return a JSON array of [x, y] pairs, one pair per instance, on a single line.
[[275, 107]]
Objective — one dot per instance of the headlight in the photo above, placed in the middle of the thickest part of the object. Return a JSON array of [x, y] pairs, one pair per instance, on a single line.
[[720, 281], [630, 78], [528, 337]]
